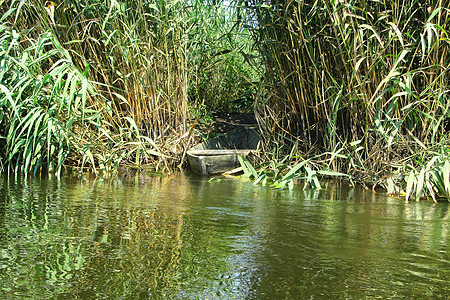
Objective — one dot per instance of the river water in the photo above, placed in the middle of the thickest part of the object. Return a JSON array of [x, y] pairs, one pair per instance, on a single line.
[[184, 237]]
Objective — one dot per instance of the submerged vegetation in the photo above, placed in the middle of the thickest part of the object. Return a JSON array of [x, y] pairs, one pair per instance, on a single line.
[[352, 87]]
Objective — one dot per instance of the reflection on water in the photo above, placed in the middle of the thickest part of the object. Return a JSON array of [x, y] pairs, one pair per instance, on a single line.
[[184, 237]]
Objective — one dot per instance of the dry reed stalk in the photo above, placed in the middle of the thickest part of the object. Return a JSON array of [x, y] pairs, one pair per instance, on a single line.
[[337, 73]]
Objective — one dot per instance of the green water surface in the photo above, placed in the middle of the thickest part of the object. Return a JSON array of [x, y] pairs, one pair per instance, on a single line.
[[138, 237]]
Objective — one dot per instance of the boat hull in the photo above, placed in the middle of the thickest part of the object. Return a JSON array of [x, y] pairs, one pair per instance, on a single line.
[[210, 162], [220, 154]]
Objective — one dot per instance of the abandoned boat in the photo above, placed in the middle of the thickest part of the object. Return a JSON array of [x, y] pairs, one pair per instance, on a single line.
[[220, 154]]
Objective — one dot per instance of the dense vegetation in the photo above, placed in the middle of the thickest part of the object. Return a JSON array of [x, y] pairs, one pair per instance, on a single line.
[[100, 83], [364, 85], [356, 87]]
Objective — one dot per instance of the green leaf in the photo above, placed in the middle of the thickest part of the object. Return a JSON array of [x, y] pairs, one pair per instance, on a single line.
[[249, 170], [294, 170], [446, 175], [410, 184], [259, 179], [291, 184], [332, 173], [431, 190], [420, 183], [8, 96], [433, 14], [390, 186]]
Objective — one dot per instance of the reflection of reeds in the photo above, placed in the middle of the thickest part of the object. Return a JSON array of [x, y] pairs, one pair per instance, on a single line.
[[143, 230], [103, 239]]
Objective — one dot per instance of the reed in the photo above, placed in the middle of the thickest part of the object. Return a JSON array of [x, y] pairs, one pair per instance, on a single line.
[[364, 81], [279, 174], [92, 83], [354, 87], [102, 83], [223, 65]]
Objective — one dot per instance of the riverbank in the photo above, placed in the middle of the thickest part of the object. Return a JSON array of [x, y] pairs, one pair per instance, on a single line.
[[95, 91]]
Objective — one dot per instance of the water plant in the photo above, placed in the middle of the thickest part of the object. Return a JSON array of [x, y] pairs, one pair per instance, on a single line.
[[432, 179], [343, 73], [357, 88], [279, 175], [85, 87], [101, 83]]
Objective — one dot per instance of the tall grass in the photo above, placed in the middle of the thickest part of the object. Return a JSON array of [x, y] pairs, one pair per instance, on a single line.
[[367, 80], [223, 65], [100, 83], [361, 86], [39, 111], [95, 83]]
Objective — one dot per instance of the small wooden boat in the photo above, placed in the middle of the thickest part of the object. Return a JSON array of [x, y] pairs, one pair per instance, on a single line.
[[220, 154]]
